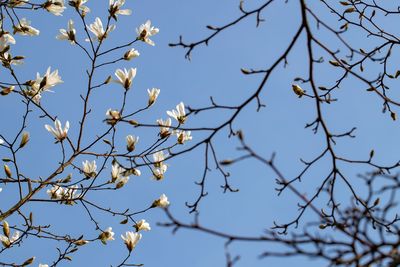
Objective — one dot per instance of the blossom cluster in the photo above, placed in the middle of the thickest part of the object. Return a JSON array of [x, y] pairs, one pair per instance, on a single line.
[[63, 191]]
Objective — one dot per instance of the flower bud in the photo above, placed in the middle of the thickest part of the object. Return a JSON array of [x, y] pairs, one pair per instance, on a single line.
[[28, 261], [6, 90], [24, 140], [6, 229], [7, 170], [298, 90]]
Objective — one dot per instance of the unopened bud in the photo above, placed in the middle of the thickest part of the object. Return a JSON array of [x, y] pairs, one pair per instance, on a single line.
[[6, 90], [7, 170], [393, 115], [28, 261], [6, 229], [24, 139], [245, 71], [226, 162], [298, 90], [81, 242], [132, 122]]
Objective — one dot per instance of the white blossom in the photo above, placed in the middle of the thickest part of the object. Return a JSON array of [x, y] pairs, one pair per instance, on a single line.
[[43, 265], [55, 7], [131, 239], [159, 157], [58, 132], [179, 114], [161, 202], [67, 195], [158, 172], [97, 29], [7, 241], [5, 39], [145, 31], [115, 8], [112, 116], [142, 225], [115, 172], [183, 136], [89, 168], [24, 28], [18, 60], [79, 5], [164, 127], [131, 53], [56, 192], [70, 194], [107, 235], [125, 77], [153, 94], [1, 141], [50, 79], [131, 142], [68, 34]]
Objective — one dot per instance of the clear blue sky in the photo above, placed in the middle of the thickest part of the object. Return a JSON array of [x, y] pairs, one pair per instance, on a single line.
[[213, 71]]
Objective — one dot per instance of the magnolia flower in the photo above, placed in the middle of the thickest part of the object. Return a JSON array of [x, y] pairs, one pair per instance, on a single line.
[[161, 202], [142, 225], [66, 194], [69, 194], [158, 158], [183, 136], [97, 29], [158, 172], [164, 127], [145, 31], [121, 181], [131, 142], [107, 235], [1, 141], [24, 28], [125, 77], [68, 34], [89, 168], [178, 114], [50, 79], [58, 132], [132, 53], [131, 239], [7, 241], [55, 7], [115, 8], [112, 116], [43, 265], [78, 4], [115, 172], [153, 94], [160, 167], [7, 59], [5, 39], [56, 192]]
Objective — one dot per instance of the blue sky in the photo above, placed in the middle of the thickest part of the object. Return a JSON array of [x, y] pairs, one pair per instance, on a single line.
[[213, 71]]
